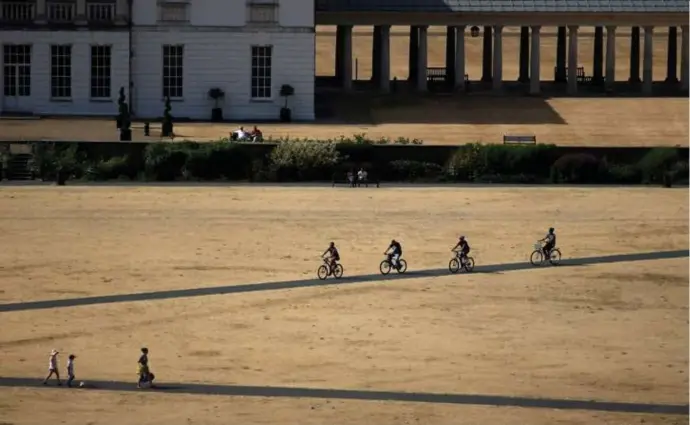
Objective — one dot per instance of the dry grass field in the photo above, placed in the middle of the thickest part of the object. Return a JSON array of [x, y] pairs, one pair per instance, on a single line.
[[446, 120], [603, 332]]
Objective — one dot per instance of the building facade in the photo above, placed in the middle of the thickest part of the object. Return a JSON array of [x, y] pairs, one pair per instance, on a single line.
[[72, 57]]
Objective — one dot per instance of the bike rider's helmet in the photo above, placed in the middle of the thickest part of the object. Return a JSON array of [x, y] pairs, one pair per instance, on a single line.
[[332, 244], [462, 238], [551, 230], [393, 241]]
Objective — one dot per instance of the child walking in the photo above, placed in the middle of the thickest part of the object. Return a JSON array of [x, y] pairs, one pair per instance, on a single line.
[[53, 367], [70, 369]]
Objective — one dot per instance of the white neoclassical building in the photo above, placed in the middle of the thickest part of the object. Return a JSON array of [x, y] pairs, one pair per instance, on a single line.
[[71, 57]]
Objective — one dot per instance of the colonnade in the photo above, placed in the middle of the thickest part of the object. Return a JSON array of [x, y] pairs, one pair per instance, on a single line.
[[566, 69]]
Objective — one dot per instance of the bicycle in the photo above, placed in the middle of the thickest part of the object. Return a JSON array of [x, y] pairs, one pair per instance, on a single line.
[[325, 270], [537, 257], [457, 263], [386, 266]]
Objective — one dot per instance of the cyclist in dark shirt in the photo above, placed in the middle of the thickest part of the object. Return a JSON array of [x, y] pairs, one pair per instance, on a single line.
[[333, 255], [462, 248], [549, 242], [394, 253]]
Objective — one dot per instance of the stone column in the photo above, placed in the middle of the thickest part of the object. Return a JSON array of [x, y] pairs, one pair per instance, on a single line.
[[498, 57], [635, 55], [672, 60], [376, 55], [413, 54], [339, 37], [450, 57], [524, 55], [80, 13], [610, 57], [41, 11], [534, 77], [598, 62], [486, 56], [422, 59], [684, 63], [346, 71], [460, 57], [560, 56], [385, 59], [647, 64], [122, 11], [572, 60]]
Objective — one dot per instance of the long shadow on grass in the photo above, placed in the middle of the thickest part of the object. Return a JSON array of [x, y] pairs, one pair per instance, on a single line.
[[297, 392], [290, 284]]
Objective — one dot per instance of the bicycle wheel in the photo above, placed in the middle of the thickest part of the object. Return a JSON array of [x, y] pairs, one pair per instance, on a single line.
[[555, 257], [469, 264], [536, 258], [322, 272], [338, 271], [385, 267], [454, 265], [403, 266]]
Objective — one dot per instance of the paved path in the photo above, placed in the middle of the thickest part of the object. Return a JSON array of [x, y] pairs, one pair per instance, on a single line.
[[273, 286], [298, 392]]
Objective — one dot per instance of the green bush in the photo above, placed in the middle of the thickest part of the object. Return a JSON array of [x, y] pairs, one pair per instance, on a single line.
[[63, 157], [656, 163], [680, 172], [116, 167], [165, 162], [310, 160], [578, 168], [475, 162], [213, 161], [624, 174], [404, 170], [303, 160], [466, 164]]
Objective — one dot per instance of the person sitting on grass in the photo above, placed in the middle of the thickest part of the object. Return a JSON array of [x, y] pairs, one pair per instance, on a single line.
[[145, 375]]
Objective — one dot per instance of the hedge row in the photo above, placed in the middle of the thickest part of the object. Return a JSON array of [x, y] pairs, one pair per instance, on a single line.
[[327, 160]]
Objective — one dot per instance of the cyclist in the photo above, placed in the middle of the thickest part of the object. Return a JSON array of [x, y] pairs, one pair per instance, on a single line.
[[549, 243], [462, 248], [394, 252], [333, 256]]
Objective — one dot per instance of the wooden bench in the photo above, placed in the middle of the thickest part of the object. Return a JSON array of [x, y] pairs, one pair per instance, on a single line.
[[582, 78], [510, 139], [436, 77]]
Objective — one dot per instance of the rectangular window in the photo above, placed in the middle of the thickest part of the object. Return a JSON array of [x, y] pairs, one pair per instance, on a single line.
[[61, 71], [16, 59], [173, 67], [173, 12], [261, 72], [100, 11], [18, 11], [100, 72], [60, 11], [263, 13]]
